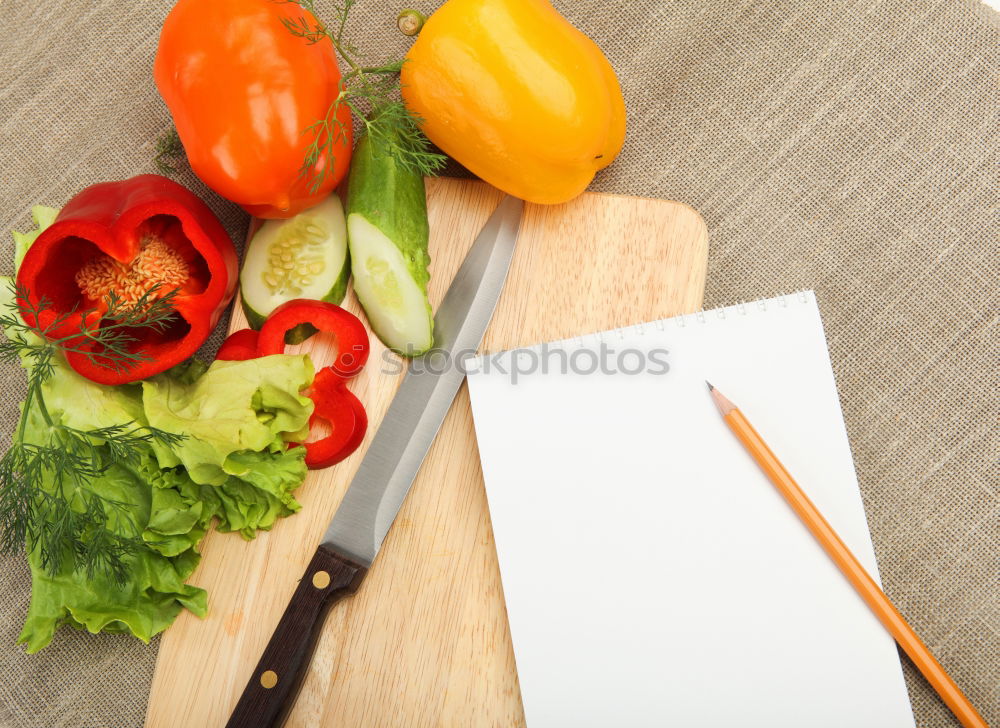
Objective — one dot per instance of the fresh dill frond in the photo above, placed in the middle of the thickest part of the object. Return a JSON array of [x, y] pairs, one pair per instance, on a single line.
[[106, 339], [47, 504], [372, 95], [169, 152], [395, 129], [47, 500]]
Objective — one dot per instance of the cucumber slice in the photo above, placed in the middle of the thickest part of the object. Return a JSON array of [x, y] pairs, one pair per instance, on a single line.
[[302, 257], [387, 234], [396, 306]]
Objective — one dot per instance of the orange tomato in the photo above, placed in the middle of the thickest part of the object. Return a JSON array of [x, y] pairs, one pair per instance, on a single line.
[[242, 90], [516, 94]]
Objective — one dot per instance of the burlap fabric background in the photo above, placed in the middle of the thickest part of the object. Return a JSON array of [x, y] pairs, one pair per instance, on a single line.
[[850, 147]]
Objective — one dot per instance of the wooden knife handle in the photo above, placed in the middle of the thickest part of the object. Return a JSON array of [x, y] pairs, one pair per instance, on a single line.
[[275, 681]]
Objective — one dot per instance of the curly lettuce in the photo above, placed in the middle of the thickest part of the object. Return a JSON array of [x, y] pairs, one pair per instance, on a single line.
[[232, 467], [146, 603]]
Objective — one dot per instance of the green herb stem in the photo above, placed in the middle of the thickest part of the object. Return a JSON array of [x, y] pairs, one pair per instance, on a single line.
[[46, 499], [169, 152], [372, 95]]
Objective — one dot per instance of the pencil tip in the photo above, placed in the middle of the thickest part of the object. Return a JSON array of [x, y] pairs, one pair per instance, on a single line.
[[710, 387], [724, 405]]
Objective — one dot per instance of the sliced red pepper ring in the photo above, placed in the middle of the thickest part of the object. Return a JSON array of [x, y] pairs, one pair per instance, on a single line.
[[346, 416], [127, 238], [352, 339], [239, 346], [333, 402]]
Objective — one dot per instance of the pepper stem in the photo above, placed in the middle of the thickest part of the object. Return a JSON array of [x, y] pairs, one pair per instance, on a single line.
[[410, 22]]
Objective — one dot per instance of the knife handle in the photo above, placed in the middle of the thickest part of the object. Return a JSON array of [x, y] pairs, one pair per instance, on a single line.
[[275, 681]]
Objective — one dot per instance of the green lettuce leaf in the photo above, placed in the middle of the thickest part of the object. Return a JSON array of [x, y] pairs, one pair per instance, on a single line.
[[259, 489], [234, 406], [231, 466], [148, 601], [43, 217], [77, 402], [181, 511]]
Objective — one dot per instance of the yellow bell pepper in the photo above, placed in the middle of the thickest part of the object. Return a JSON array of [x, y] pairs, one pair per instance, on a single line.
[[517, 95]]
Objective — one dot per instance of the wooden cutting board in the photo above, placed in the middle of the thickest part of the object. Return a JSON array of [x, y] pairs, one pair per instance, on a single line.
[[425, 641]]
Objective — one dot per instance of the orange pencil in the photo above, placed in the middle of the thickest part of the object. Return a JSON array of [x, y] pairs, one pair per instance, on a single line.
[[874, 597]]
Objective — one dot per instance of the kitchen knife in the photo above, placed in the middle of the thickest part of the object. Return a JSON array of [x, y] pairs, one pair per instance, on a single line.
[[355, 535]]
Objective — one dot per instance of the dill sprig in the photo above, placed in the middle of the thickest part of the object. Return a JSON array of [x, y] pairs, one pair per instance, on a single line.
[[47, 501], [106, 340], [169, 152], [372, 95]]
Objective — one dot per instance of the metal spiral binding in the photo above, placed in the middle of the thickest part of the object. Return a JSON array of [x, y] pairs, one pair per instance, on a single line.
[[740, 307]]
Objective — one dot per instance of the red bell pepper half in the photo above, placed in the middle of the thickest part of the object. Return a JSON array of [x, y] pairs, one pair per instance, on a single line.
[[352, 339], [127, 238], [239, 346], [345, 414]]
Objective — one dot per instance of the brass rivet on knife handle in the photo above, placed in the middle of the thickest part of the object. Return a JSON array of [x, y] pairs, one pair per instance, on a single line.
[[271, 690], [384, 476]]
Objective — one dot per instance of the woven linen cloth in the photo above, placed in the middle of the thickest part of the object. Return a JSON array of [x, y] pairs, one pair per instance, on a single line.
[[845, 146]]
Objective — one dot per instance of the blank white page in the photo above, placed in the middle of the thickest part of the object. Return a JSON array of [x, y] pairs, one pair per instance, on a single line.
[[653, 575]]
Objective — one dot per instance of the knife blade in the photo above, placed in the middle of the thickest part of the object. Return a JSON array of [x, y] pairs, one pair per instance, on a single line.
[[379, 487]]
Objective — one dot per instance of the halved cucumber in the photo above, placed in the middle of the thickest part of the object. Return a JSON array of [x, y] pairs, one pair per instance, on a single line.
[[387, 233], [302, 257]]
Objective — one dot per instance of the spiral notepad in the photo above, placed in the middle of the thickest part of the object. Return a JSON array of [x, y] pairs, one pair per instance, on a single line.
[[653, 576]]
